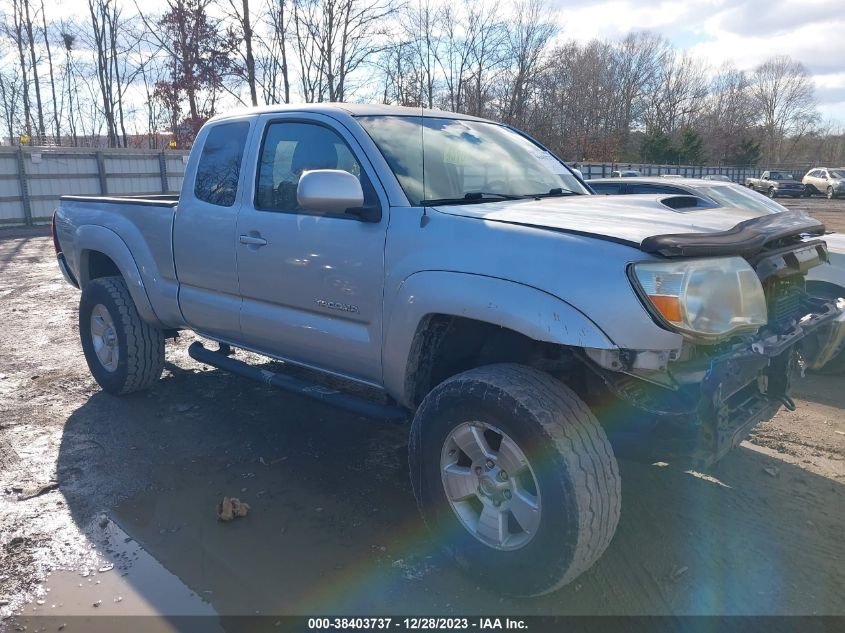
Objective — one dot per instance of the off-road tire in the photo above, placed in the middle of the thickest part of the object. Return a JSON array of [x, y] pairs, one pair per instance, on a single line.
[[576, 472], [141, 346]]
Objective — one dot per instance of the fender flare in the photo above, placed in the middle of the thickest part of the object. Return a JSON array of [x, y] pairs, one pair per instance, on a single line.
[[538, 315], [90, 237]]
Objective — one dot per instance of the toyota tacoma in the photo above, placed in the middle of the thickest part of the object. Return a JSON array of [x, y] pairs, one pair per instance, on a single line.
[[530, 330]]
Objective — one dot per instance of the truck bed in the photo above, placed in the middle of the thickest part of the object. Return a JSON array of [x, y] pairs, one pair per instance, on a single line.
[[137, 229]]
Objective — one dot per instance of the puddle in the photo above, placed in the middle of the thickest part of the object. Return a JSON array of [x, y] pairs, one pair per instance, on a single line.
[[305, 545], [128, 581]]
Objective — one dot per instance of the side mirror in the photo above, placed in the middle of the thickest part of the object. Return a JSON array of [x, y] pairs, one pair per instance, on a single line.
[[577, 172], [330, 191]]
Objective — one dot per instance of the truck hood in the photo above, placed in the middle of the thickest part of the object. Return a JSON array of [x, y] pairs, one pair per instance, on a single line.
[[645, 221]]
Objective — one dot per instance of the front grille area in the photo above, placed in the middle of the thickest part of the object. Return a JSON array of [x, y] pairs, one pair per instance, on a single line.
[[783, 298]]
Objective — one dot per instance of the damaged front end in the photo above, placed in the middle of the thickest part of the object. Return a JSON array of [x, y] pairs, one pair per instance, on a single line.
[[695, 403]]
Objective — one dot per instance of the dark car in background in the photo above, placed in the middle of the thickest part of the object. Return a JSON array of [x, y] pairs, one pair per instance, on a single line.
[[776, 183]]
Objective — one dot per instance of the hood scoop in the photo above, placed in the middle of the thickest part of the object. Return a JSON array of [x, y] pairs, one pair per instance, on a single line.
[[681, 203]]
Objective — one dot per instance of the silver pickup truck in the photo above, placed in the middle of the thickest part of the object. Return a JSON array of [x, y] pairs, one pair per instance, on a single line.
[[532, 331]]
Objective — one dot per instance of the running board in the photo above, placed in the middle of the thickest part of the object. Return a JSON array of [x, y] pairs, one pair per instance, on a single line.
[[311, 390]]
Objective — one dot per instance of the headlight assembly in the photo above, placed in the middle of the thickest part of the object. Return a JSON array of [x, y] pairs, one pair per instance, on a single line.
[[703, 298]]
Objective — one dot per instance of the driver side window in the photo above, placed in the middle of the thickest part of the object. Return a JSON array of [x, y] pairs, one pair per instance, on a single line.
[[289, 150]]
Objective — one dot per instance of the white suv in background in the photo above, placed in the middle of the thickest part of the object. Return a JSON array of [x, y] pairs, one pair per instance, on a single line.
[[826, 181]]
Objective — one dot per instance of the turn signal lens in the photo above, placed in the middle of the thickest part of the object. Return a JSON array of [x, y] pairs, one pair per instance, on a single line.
[[669, 307]]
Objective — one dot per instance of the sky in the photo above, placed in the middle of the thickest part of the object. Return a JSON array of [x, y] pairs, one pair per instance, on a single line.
[[745, 31]]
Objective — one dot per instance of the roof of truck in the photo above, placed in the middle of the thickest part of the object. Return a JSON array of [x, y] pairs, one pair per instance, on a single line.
[[349, 109]]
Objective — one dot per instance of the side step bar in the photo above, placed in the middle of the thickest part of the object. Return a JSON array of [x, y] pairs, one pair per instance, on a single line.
[[314, 391]]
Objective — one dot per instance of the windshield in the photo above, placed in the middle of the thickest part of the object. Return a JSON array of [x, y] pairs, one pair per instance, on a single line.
[[777, 175], [837, 173], [465, 160], [736, 196]]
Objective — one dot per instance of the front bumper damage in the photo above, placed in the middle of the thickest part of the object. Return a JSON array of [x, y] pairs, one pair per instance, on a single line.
[[697, 411]]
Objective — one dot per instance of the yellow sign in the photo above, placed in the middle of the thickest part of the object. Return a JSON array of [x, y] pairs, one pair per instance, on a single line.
[[171, 144], [24, 138]]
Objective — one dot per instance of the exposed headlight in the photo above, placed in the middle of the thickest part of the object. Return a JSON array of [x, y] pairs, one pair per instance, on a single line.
[[704, 298]]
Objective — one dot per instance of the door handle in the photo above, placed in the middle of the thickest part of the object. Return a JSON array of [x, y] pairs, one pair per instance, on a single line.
[[253, 240]]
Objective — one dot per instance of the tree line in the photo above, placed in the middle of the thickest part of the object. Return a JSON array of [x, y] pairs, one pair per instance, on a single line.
[[119, 75]]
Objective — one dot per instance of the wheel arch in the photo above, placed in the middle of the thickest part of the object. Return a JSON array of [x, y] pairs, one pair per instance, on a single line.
[[102, 253], [460, 314]]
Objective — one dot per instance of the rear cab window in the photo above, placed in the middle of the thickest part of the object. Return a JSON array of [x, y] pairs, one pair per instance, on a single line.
[[219, 167]]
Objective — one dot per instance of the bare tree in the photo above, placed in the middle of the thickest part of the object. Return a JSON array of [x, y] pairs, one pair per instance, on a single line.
[[16, 31], [783, 91], [679, 95], [422, 29], [10, 100], [729, 114], [69, 40], [344, 35], [526, 41], [272, 70], [30, 38], [636, 67], [238, 11]]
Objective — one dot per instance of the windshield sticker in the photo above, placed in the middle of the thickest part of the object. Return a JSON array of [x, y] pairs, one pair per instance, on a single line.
[[454, 156], [549, 162]]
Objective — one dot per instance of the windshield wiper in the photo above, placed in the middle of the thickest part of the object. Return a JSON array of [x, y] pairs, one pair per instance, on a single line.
[[472, 197], [558, 191]]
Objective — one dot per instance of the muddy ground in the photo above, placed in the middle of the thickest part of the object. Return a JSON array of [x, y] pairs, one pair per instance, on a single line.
[[107, 505]]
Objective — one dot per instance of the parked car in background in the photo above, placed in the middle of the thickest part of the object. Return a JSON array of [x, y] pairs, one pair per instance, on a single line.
[[626, 173], [825, 181], [776, 183], [822, 281], [718, 177]]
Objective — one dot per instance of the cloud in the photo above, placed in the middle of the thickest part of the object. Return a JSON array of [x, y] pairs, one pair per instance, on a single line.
[[745, 33]]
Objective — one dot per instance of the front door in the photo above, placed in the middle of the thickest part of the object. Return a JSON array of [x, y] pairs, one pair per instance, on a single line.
[[311, 283]]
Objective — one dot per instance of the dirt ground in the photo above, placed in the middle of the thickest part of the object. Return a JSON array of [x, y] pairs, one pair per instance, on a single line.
[[107, 505]]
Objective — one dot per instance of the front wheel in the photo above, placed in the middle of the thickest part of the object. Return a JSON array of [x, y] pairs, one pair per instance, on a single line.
[[773, 193], [124, 353], [515, 477], [830, 194]]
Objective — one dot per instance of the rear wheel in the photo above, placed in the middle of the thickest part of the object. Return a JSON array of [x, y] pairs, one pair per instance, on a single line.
[[773, 193], [123, 352], [515, 477]]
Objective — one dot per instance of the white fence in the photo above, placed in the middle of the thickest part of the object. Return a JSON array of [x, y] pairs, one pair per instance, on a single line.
[[32, 179]]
